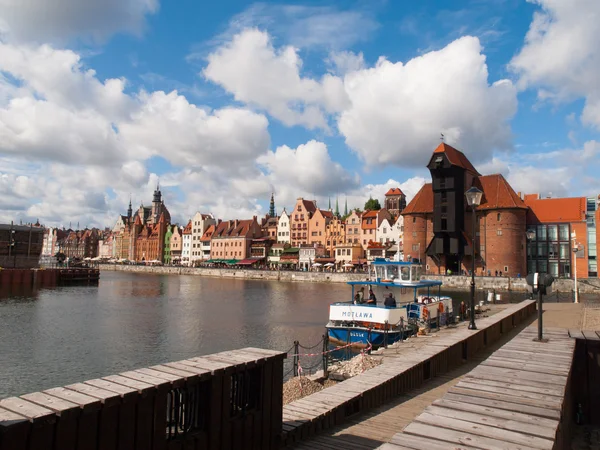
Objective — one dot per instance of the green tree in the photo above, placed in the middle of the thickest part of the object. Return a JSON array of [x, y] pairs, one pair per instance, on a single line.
[[372, 204]]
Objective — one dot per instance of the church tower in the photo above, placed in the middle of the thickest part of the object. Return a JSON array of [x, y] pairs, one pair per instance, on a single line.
[[272, 206], [156, 204], [129, 211]]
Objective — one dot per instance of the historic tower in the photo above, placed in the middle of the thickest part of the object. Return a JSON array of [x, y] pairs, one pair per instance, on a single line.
[[156, 204]]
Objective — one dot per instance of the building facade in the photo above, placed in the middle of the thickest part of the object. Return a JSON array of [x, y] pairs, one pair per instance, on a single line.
[[335, 234], [318, 226], [353, 228], [200, 222], [395, 201], [370, 222], [186, 244], [232, 239], [300, 220], [283, 228]]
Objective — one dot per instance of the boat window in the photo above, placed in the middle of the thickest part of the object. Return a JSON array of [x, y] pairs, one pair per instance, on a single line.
[[392, 272], [416, 272], [405, 272], [380, 271]]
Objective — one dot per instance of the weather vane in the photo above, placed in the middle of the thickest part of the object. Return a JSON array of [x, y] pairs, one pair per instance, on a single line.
[[442, 137]]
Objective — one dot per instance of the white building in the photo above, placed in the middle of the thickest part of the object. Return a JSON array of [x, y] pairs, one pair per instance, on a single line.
[[186, 244], [200, 222], [386, 233], [283, 228]]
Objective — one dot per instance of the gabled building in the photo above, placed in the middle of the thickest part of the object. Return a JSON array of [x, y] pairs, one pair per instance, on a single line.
[[186, 244], [318, 226], [370, 221], [283, 228], [232, 239], [353, 228], [176, 244], [335, 234], [300, 220], [167, 245], [269, 226], [386, 232], [200, 222], [205, 241]]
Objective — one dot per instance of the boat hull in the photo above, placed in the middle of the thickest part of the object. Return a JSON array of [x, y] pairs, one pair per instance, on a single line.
[[360, 337]]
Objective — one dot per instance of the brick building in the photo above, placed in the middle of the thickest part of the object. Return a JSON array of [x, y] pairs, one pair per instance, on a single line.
[[395, 201], [335, 234], [437, 222]]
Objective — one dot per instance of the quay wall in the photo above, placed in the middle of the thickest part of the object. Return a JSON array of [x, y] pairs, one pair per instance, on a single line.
[[585, 286]]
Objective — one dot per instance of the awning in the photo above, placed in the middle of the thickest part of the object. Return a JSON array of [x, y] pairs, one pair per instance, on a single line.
[[230, 262], [288, 261], [248, 261]]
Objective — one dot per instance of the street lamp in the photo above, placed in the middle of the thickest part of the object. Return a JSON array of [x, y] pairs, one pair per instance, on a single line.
[[575, 249], [473, 196]]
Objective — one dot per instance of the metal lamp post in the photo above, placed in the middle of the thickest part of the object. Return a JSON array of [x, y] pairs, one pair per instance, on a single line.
[[473, 196]]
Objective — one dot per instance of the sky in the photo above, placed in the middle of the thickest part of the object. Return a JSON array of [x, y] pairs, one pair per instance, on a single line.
[[224, 103]]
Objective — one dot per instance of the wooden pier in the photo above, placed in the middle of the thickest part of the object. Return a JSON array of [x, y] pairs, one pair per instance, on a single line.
[[49, 277], [334, 406], [519, 397]]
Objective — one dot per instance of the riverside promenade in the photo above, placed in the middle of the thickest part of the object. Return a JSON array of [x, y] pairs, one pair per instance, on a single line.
[[233, 400], [564, 286]]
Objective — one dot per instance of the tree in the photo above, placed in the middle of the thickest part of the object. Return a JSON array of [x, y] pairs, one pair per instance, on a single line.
[[372, 204]]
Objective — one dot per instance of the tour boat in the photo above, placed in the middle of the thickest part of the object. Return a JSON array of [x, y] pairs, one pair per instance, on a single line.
[[361, 325]]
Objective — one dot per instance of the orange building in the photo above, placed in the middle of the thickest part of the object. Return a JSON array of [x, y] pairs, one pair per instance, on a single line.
[[552, 221], [370, 221], [232, 239], [335, 234], [353, 232], [150, 240], [299, 221], [317, 225]]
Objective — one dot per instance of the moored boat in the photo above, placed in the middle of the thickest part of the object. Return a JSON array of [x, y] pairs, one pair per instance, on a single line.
[[362, 324]]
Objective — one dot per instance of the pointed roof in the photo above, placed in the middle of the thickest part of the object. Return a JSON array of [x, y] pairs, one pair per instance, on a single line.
[[422, 202], [309, 205], [394, 191], [456, 157], [188, 228], [497, 193]]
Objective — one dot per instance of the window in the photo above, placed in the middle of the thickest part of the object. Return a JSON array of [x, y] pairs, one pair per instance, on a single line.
[[415, 247], [384, 230], [552, 232], [498, 217], [414, 219], [444, 225], [505, 269], [414, 234], [541, 232], [444, 197], [364, 242], [482, 248], [563, 232], [499, 232]]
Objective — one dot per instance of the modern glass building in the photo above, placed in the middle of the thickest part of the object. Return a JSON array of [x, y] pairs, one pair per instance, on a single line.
[[549, 250], [592, 206]]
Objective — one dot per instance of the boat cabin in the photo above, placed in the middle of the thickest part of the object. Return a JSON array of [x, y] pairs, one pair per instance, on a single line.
[[386, 271]]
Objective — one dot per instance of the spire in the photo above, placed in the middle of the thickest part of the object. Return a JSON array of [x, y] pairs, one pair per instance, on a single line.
[[337, 207], [157, 194], [329, 204], [346, 207], [129, 210], [272, 206]]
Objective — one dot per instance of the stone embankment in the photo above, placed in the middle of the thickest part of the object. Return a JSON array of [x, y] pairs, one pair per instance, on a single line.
[[586, 286]]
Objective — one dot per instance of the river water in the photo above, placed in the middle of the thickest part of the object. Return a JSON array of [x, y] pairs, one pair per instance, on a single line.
[[54, 337]]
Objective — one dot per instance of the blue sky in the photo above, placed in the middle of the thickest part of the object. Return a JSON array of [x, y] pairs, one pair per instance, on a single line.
[[226, 103]]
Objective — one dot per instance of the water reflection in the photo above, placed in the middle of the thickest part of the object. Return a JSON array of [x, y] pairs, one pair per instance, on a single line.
[[53, 337]]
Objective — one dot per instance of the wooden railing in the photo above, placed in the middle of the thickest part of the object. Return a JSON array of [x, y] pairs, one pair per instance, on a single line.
[[228, 400]]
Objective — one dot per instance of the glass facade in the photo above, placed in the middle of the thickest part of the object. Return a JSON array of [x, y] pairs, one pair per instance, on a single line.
[[549, 250], [592, 205]]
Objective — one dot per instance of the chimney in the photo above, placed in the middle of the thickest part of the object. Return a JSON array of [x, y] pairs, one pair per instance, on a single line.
[[254, 217], [236, 223]]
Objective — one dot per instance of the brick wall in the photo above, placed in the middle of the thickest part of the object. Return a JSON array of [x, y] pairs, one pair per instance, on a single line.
[[418, 229], [503, 241], [580, 229]]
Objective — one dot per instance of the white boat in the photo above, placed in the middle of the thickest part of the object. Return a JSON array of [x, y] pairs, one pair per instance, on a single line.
[[362, 324]]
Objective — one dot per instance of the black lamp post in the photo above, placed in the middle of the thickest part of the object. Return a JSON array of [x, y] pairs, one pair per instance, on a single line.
[[473, 196]]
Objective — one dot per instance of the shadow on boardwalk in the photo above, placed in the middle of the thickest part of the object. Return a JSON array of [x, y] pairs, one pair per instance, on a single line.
[[371, 429]]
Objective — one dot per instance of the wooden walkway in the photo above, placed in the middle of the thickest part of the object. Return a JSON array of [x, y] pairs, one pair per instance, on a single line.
[[341, 404], [518, 398], [370, 430]]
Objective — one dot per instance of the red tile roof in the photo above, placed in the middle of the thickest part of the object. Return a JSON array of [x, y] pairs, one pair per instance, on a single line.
[[456, 157], [207, 234], [422, 202], [309, 205], [548, 210], [497, 193], [394, 191], [369, 213], [327, 214], [188, 228]]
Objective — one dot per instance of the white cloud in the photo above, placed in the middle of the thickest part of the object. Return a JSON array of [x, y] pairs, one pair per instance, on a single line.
[[555, 182], [255, 73], [59, 20], [398, 110], [343, 62], [561, 56], [306, 171]]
